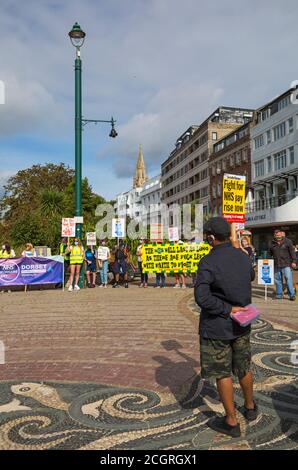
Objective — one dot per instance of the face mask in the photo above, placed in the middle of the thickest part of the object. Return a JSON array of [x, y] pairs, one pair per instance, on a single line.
[[279, 239], [76, 243]]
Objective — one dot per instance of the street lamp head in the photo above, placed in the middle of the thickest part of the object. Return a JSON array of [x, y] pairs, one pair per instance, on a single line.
[[77, 35], [113, 132]]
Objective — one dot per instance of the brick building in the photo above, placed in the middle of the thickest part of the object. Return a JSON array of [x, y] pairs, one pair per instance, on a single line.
[[185, 173]]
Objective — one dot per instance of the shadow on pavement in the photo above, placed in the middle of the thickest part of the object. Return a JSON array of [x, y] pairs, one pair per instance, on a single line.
[[181, 378]]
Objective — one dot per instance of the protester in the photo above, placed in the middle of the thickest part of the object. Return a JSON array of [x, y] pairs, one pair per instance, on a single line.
[[283, 253], [296, 252], [122, 258], [103, 256], [76, 252], [160, 280], [223, 286], [180, 279], [90, 259], [66, 256], [247, 248], [7, 251], [29, 251], [144, 276]]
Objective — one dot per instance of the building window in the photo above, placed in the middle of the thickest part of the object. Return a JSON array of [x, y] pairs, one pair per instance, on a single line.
[[292, 155], [269, 164], [280, 160], [224, 164], [259, 168], [231, 160], [283, 103], [259, 141], [279, 131], [238, 158], [268, 135], [291, 125], [214, 135], [218, 189]]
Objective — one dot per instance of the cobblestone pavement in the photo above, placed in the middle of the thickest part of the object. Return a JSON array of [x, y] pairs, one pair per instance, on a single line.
[[119, 369]]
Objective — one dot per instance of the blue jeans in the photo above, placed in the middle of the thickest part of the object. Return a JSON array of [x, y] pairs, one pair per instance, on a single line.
[[278, 275], [104, 272], [161, 277]]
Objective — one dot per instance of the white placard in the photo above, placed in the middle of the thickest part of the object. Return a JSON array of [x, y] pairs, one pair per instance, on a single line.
[[118, 228], [173, 233], [68, 227], [91, 238], [79, 220], [266, 272]]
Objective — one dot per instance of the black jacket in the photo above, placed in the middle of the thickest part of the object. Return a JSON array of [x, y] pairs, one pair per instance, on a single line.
[[284, 254], [223, 280]]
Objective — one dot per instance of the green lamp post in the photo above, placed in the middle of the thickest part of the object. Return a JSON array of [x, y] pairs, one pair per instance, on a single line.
[[77, 37]]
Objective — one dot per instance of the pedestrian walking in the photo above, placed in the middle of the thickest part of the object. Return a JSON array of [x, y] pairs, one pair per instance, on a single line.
[[144, 276], [103, 257], [76, 251], [282, 251], [223, 286], [90, 259]]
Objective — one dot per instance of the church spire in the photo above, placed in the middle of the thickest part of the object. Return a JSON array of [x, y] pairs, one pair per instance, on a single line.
[[140, 177]]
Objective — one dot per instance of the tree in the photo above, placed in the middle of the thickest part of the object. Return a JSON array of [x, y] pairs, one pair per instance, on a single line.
[[37, 198]]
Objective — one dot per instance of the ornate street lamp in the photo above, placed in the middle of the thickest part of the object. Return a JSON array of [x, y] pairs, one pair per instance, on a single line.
[[77, 37]]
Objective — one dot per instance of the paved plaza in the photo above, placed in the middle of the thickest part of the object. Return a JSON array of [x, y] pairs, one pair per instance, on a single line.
[[119, 369]]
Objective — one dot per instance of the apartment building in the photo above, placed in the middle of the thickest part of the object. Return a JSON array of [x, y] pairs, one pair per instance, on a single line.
[[185, 173], [150, 201], [275, 170], [232, 154]]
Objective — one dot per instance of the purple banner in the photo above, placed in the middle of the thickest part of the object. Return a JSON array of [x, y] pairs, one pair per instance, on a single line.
[[24, 271]]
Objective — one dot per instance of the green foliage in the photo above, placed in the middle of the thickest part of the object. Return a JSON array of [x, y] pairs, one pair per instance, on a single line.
[[35, 201]]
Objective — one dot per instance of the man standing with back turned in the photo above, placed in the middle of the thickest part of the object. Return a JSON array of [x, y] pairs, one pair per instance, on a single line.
[[223, 286]]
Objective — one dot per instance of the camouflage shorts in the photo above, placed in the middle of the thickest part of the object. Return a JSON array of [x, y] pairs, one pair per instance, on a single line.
[[219, 358]]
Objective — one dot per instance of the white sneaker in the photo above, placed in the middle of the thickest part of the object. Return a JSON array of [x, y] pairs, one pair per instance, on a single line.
[[176, 286], [70, 289], [105, 286], [76, 288]]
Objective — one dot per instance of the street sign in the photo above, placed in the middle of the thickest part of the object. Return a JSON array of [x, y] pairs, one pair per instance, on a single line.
[[266, 272], [91, 238], [233, 198], [118, 228], [68, 227]]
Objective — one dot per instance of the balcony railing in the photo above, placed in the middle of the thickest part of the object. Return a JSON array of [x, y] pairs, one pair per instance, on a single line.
[[269, 203]]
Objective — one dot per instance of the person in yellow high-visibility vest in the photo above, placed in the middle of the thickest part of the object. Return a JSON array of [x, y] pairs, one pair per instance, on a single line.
[[7, 251], [77, 255]]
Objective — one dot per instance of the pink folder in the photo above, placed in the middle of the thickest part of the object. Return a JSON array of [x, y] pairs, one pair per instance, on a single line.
[[246, 317]]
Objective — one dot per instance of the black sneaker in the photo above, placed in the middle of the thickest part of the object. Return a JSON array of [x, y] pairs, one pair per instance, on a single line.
[[89, 285], [126, 285], [293, 298], [219, 424], [250, 414], [116, 285]]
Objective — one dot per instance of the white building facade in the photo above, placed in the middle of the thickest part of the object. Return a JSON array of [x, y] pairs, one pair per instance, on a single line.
[[151, 201], [274, 170]]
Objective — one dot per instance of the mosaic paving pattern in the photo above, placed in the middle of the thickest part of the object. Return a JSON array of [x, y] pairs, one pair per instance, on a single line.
[[54, 415]]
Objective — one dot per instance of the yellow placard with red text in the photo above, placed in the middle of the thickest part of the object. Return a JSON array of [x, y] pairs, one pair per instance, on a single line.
[[233, 198]]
